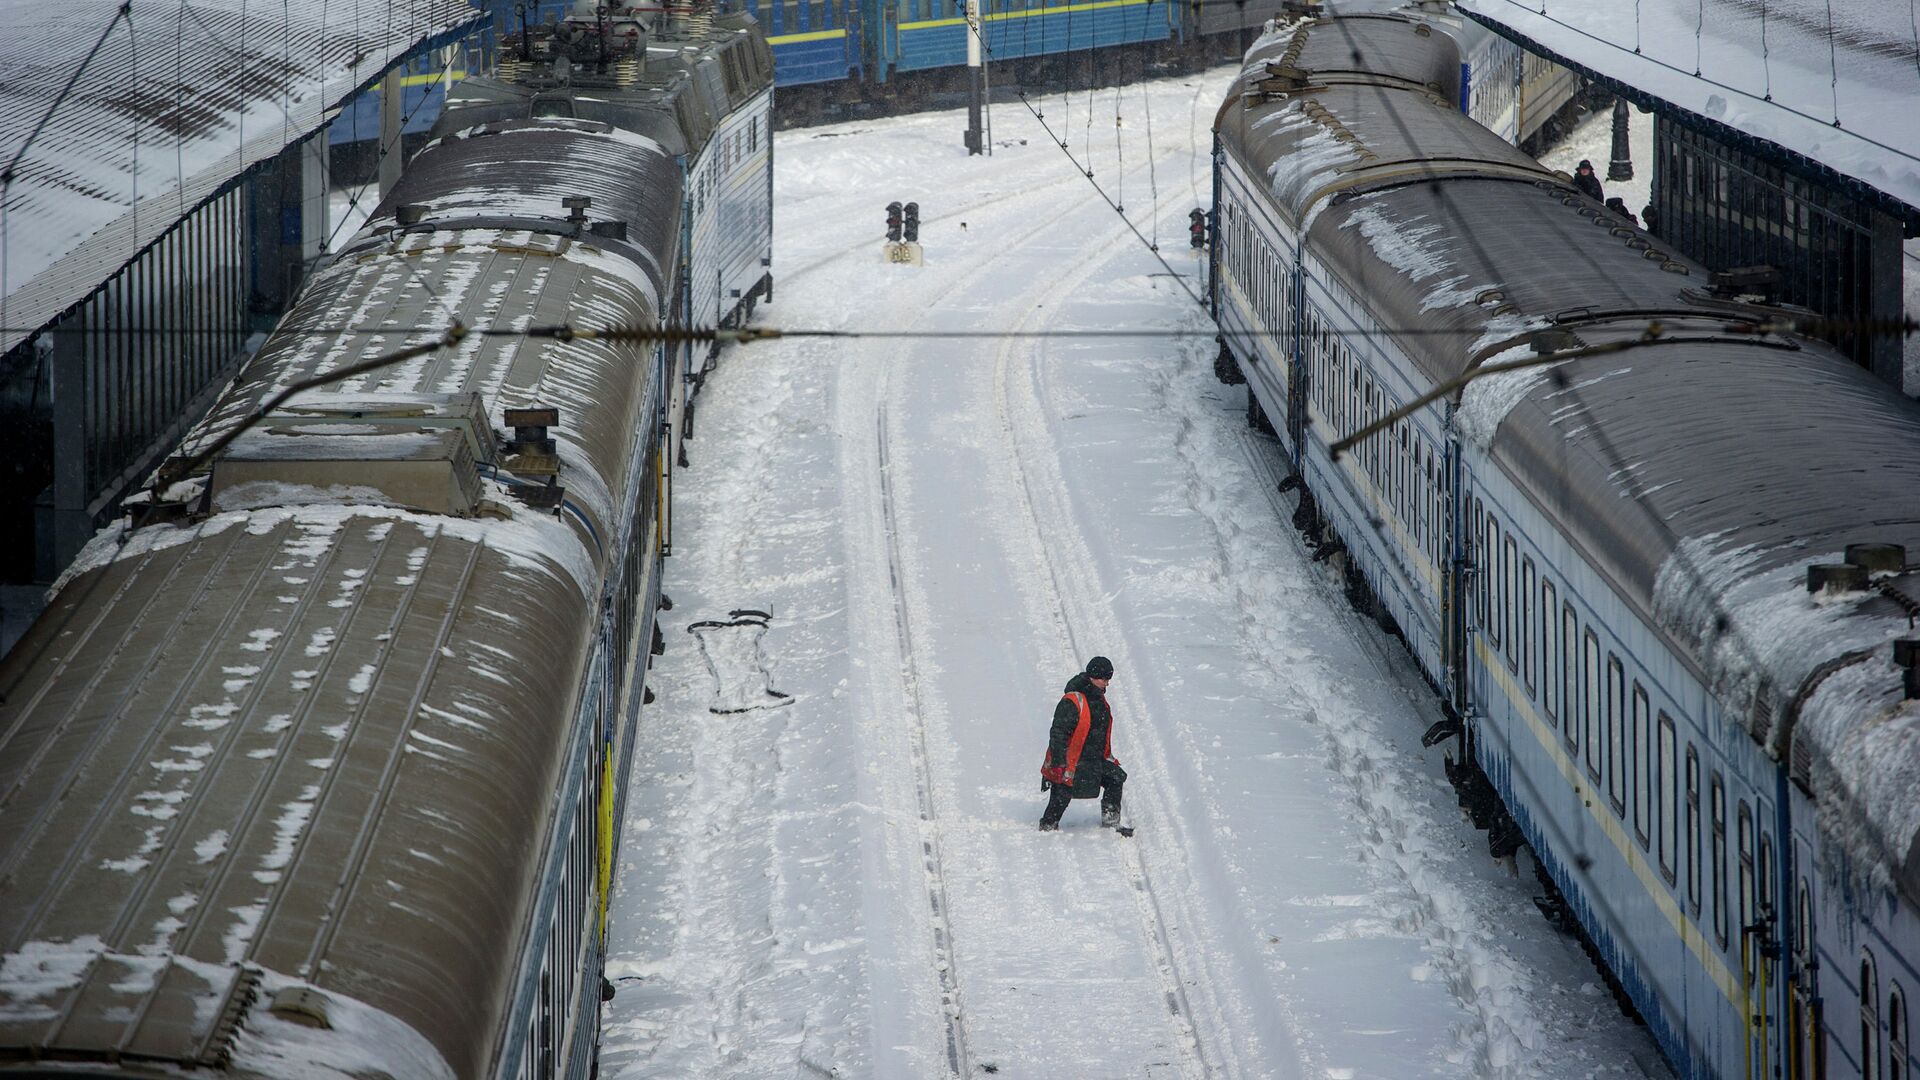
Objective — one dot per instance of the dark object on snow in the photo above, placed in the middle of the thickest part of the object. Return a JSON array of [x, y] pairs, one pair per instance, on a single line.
[[1619, 207], [1080, 762], [731, 648], [1588, 183]]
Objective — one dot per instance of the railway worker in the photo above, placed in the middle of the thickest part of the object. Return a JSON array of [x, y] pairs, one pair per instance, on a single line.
[[1080, 762], [1588, 183]]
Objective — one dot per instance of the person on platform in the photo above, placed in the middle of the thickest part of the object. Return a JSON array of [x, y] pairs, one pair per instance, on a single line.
[[1588, 183], [1080, 762], [1619, 206]]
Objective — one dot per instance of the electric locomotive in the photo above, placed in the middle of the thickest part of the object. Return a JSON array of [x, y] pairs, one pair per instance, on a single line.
[[1652, 552], [314, 765]]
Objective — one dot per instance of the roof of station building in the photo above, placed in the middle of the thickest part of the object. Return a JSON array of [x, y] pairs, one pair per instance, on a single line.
[[120, 117], [1832, 83]]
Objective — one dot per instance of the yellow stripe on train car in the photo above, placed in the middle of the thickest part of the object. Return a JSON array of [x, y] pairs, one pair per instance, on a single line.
[[428, 80], [810, 35], [605, 817], [1003, 16]]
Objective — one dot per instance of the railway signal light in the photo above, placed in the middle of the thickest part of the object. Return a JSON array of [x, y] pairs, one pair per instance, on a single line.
[[913, 222], [1197, 229], [893, 222]]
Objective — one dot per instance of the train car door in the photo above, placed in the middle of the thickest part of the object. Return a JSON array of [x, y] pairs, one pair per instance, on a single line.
[[1300, 373], [1806, 1049], [1760, 955], [1461, 575]]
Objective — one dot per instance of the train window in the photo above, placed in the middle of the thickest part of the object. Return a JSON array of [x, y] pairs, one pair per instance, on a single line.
[[1508, 598], [1549, 665], [1718, 858], [1590, 701], [1666, 813], [1743, 891], [1524, 631], [1869, 1016], [1642, 767], [1495, 600], [1803, 924], [1616, 734], [1693, 829], [1897, 1034], [1569, 682], [1479, 557], [1763, 886]]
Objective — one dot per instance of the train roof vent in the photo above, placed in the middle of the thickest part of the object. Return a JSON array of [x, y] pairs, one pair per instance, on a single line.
[[302, 1005], [420, 451]]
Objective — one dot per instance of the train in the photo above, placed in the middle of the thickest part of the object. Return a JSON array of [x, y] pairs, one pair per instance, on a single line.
[[315, 763], [1652, 548], [853, 50]]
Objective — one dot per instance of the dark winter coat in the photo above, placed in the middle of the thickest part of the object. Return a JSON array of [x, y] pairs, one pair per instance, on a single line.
[[1589, 185], [1093, 766]]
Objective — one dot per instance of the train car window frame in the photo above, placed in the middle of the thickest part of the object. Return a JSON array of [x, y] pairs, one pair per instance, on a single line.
[[1667, 810], [1494, 598], [1719, 859], [1743, 850], [1897, 1032], [1508, 602], [1477, 552], [1590, 702], [1526, 632], [1869, 1014], [1693, 829], [1569, 647], [1616, 734], [1549, 666], [1763, 886], [1642, 767]]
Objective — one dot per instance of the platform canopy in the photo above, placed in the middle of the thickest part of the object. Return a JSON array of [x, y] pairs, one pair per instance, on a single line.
[[1833, 82], [169, 102]]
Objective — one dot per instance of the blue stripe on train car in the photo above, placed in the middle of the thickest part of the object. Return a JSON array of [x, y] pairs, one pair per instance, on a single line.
[[810, 39], [932, 33], [359, 121]]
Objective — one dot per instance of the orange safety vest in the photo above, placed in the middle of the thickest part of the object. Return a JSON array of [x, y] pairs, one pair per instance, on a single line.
[[1063, 772]]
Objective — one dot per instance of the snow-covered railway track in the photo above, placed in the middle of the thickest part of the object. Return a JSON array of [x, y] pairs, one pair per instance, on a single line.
[[959, 1060], [1191, 1063], [1076, 642]]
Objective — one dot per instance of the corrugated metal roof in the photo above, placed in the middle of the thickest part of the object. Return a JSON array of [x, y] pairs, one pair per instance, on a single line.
[[176, 101], [1833, 83]]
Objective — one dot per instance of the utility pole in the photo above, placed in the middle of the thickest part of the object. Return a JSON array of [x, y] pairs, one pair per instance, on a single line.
[[976, 79], [1621, 167]]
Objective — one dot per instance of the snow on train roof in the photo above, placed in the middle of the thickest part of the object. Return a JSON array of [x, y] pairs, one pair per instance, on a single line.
[[1833, 82], [484, 277], [205, 703], [176, 103], [1701, 474]]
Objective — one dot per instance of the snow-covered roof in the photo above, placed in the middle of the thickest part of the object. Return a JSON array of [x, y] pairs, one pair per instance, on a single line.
[[1834, 83], [170, 103]]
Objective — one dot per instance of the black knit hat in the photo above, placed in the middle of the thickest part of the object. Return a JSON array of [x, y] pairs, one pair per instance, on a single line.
[[1099, 668]]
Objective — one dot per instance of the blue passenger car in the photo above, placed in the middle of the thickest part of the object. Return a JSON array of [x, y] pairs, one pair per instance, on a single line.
[[813, 40], [1660, 578], [933, 33]]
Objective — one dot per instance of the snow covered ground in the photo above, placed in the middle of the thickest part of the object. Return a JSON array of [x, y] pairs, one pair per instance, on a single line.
[[1592, 139], [849, 882]]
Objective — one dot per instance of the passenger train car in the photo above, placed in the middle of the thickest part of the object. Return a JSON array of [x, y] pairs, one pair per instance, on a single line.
[[1653, 554], [315, 767]]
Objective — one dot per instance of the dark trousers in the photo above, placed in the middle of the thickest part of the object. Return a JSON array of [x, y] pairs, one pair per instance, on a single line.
[[1060, 796]]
